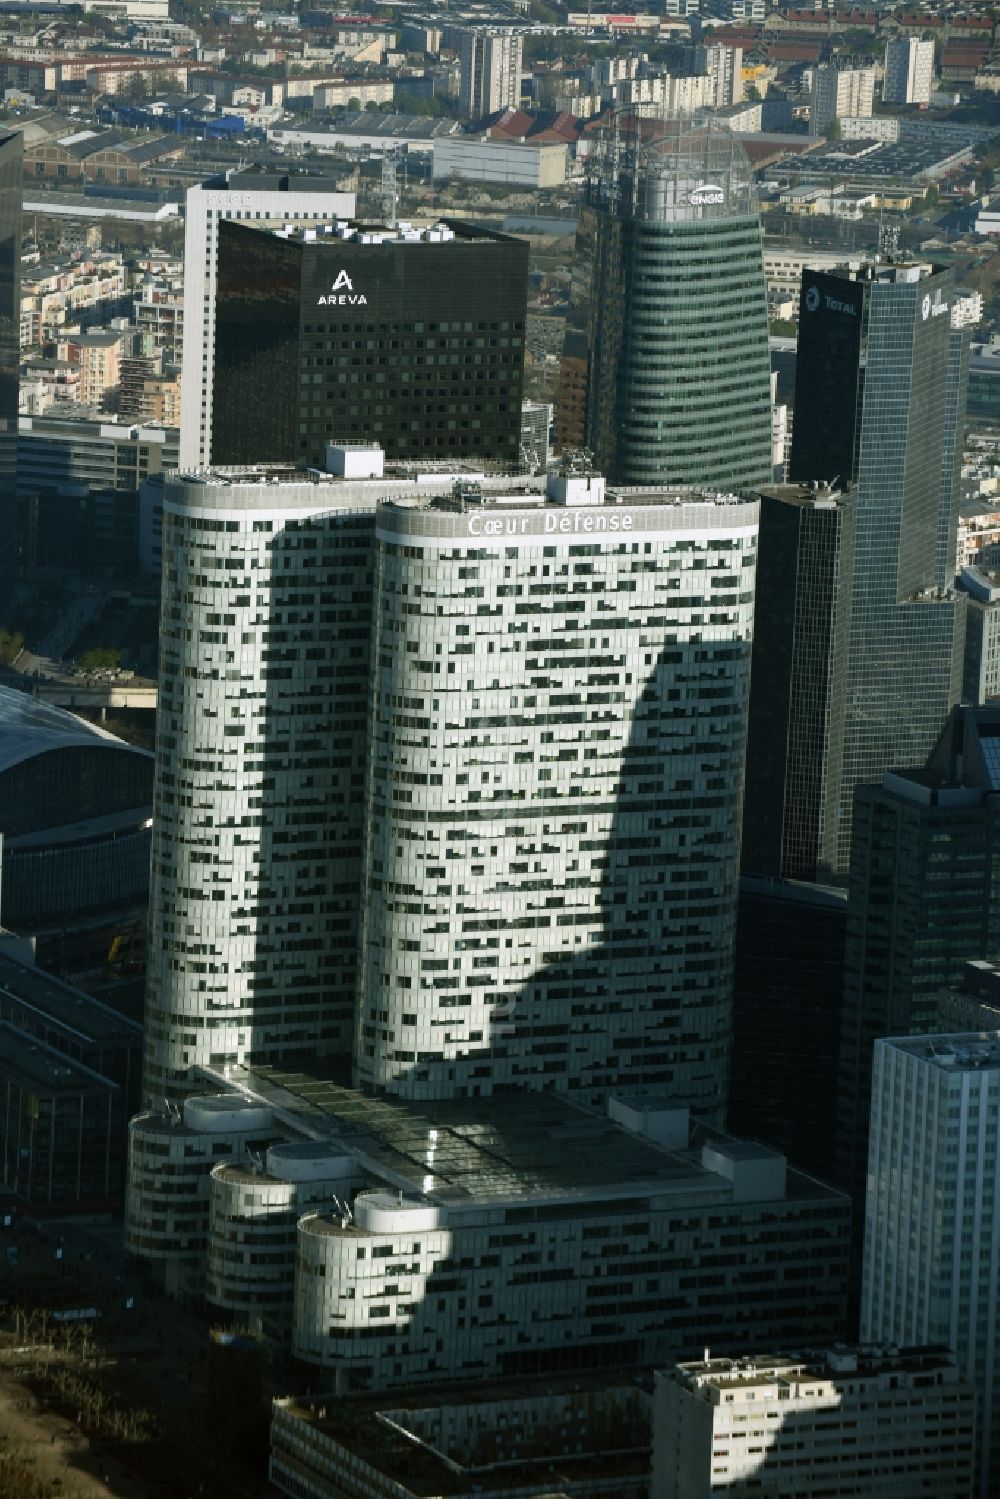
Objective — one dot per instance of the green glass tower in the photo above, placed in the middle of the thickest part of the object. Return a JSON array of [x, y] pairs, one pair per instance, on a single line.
[[679, 387]]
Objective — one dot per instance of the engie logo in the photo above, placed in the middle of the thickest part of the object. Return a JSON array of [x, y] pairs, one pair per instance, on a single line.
[[342, 294], [706, 192], [812, 299]]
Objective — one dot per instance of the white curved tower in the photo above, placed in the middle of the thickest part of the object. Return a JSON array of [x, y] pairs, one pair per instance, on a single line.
[[264, 644], [554, 788]]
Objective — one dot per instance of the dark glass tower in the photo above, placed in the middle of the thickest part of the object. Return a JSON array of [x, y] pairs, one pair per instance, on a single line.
[[798, 683], [679, 385], [878, 402], [11, 150], [413, 339]]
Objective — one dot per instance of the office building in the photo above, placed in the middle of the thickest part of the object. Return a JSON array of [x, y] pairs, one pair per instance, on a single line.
[[528, 1438], [79, 479], [798, 682], [263, 198], [933, 1203], [679, 386], [922, 901], [909, 71], [826, 1424], [536, 424], [261, 724], [11, 151], [490, 70], [410, 338], [839, 91], [552, 828], [876, 412], [787, 994], [981, 680]]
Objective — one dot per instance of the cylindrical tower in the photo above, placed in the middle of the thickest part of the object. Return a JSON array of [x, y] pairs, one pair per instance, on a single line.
[[679, 384], [259, 771]]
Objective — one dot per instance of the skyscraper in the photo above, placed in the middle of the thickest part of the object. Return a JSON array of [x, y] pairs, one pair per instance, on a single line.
[[877, 404], [798, 691], [262, 198], [932, 1244], [260, 755], [925, 865], [410, 338], [11, 151], [554, 788], [909, 71], [490, 76], [679, 385]]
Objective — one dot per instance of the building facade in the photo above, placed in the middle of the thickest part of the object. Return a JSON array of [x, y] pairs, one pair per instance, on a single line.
[[839, 91], [555, 763], [261, 731], [909, 71], [263, 198], [834, 1423], [981, 680], [798, 684], [931, 1253], [490, 70], [679, 385], [413, 339], [922, 902], [876, 409], [11, 151]]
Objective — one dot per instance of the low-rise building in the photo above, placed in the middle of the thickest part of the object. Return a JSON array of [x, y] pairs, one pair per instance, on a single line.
[[539, 1438], [523, 164], [835, 1423]]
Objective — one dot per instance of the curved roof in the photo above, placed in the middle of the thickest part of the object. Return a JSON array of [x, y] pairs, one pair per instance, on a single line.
[[30, 727]]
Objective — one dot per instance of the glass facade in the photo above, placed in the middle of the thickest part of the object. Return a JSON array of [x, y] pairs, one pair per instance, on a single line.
[[11, 151], [417, 344], [798, 684], [679, 389], [878, 405]]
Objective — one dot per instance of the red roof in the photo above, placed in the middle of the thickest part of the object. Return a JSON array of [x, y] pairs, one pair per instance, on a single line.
[[803, 51]]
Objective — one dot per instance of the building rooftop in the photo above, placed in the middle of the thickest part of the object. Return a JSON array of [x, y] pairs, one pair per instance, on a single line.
[[550, 1433], [519, 1150], [78, 1015], [709, 1378], [30, 727], [959, 1052]]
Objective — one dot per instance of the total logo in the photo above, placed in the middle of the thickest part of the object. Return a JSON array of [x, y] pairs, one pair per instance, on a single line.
[[706, 193], [812, 299], [933, 309], [342, 294]]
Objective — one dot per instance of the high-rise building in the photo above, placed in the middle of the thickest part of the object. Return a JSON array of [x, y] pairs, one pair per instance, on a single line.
[[787, 991], [876, 411], [925, 865], [909, 71], [679, 386], [798, 684], [261, 724], [932, 1243], [981, 680], [490, 70], [828, 1424], [724, 66], [261, 198], [11, 151], [554, 787], [410, 338], [839, 91]]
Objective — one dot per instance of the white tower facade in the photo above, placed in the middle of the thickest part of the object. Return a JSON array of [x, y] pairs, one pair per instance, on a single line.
[[909, 71], [490, 77], [931, 1269], [554, 789], [260, 200]]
